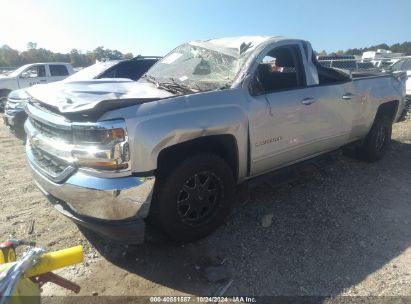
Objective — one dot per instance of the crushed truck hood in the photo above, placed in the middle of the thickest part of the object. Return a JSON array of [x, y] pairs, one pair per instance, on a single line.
[[79, 96]]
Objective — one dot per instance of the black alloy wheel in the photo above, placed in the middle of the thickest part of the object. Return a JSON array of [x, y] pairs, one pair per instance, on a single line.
[[193, 197], [198, 199]]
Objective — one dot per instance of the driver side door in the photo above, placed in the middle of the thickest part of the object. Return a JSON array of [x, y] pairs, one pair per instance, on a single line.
[[289, 121], [32, 76]]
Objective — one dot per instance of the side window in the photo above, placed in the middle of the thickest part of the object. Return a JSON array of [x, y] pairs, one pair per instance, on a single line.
[[281, 69], [34, 72], [407, 65], [398, 65], [58, 70]]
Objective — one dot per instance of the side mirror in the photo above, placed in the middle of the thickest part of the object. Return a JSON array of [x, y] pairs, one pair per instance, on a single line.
[[255, 87], [24, 75]]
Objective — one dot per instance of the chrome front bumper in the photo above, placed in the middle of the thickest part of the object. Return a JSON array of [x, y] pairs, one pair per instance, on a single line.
[[112, 199]]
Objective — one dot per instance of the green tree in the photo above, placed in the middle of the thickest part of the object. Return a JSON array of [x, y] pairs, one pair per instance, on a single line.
[[128, 56]]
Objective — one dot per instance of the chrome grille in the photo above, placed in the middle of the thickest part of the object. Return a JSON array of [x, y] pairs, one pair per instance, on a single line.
[[50, 131], [54, 166]]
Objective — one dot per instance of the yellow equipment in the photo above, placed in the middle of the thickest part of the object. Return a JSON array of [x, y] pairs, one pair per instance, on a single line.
[[30, 279]]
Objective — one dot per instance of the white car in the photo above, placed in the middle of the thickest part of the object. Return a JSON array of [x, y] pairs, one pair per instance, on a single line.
[[31, 74], [404, 65]]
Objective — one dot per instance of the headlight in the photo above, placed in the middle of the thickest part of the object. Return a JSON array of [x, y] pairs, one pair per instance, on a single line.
[[17, 99], [18, 95], [15, 104], [84, 135], [101, 146]]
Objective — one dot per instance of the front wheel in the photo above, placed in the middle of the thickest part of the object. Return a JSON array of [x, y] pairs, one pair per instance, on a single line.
[[3, 99], [194, 198], [378, 140]]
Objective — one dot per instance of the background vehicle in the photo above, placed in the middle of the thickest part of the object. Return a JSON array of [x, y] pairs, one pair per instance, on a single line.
[[346, 62], [404, 65], [14, 116], [171, 147], [127, 68], [335, 57], [31, 74], [380, 55], [383, 64]]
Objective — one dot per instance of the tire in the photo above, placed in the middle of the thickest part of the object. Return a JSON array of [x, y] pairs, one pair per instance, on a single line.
[[377, 141], [3, 99], [193, 198]]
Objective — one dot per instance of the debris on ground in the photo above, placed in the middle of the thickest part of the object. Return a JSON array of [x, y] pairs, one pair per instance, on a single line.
[[216, 274], [344, 232], [224, 289], [267, 220], [30, 226]]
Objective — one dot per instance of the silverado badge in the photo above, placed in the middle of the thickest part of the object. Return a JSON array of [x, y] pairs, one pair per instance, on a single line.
[[268, 141]]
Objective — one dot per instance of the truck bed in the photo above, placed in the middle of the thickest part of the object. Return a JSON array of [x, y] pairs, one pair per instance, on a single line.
[[365, 74]]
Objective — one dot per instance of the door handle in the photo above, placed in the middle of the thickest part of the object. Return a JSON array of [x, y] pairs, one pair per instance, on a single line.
[[347, 96], [43, 80], [307, 101]]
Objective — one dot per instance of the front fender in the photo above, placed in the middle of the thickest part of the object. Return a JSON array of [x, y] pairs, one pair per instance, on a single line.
[[155, 135], [155, 126]]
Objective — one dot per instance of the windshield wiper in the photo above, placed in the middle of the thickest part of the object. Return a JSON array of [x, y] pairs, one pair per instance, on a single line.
[[184, 87], [227, 85], [149, 78], [176, 87], [159, 85], [172, 87]]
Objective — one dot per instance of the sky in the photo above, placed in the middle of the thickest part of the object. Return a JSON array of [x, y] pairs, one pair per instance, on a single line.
[[157, 26]]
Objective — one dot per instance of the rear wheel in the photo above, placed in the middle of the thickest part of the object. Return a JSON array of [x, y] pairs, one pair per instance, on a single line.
[[194, 198], [378, 140]]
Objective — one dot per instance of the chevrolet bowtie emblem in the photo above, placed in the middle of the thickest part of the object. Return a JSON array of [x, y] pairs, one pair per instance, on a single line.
[[33, 140]]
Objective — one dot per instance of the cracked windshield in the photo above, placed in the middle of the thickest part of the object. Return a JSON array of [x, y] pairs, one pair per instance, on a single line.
[[197, 68]]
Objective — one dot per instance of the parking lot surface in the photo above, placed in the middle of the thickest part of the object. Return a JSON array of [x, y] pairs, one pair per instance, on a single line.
[[339, 229]]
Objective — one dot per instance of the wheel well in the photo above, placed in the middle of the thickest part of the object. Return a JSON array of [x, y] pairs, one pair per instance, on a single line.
[[4, 92], [389, 108], [224, 146]]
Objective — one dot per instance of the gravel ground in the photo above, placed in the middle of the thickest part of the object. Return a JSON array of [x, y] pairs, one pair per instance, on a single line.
[[339, 229]]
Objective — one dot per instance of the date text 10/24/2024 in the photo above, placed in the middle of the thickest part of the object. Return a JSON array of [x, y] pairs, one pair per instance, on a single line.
[[188, 299]]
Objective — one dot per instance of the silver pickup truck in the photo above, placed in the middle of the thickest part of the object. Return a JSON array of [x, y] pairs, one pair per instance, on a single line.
[[169, 149]]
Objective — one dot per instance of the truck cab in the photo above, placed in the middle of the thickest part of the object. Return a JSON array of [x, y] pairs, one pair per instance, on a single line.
[[32, 74]]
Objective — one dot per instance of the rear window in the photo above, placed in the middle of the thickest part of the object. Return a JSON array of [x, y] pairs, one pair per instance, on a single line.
[[344, 64], [365, 65], [335, 57], [58, 70], [326, 63]]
